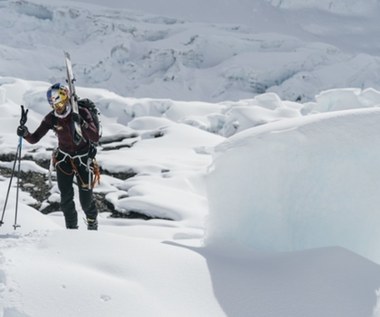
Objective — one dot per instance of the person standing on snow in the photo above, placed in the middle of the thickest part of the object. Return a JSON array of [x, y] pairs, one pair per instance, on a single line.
[[70, 158]]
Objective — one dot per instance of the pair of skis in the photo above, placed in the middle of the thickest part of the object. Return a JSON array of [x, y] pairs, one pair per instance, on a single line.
[[78, 136]]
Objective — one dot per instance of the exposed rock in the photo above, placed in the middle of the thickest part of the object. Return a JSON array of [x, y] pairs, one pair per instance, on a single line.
[[37, 185]]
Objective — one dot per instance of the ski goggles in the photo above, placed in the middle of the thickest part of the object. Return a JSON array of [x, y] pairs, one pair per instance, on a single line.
[[58, 99], [59, 106]]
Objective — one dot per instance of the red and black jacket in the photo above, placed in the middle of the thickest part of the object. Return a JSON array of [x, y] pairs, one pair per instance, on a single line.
[[64, 129]]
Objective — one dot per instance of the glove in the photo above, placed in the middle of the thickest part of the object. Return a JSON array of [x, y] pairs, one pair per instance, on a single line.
[[80, 120], [77, 118], [24, 115], [22, 131]]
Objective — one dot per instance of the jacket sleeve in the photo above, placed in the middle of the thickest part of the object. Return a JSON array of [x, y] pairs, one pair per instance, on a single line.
[[44, 127], [89, 129]]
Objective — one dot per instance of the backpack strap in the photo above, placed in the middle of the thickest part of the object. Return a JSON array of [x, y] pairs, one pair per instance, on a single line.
[[54, 121]]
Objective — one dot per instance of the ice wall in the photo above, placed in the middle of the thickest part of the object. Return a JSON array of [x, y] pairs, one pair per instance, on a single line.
[[299, 183]]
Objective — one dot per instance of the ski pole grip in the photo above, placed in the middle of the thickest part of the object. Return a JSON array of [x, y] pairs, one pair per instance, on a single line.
[[24, 115]]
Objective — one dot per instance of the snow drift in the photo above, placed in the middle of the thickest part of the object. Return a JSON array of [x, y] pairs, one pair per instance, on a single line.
[[312, 182], [162, 262]]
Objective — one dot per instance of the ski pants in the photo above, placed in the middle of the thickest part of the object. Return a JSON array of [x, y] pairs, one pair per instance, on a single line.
[[67, 167]]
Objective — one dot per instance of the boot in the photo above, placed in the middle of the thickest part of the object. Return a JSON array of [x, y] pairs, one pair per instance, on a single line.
[[72, 223], [92, 224], [71, 219], [72, 227]]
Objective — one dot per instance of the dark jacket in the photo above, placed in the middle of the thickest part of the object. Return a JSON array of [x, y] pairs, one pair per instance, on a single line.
[[64, 129]]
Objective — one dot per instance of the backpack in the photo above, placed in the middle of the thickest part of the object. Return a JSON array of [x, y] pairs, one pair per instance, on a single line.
[[94, 111]]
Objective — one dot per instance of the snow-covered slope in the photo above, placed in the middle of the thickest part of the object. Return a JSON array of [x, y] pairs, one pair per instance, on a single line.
[[341, 7], [305, 260], [320, 168], [295, 53]]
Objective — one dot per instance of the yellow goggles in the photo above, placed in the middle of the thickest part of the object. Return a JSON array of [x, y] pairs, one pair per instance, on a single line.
[[59, 106], [59, 99]]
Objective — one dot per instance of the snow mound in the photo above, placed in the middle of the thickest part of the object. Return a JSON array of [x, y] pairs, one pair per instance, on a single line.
[[313, 182]]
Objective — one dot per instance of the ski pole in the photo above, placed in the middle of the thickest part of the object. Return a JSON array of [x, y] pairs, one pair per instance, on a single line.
[[15, 225], [9, 185], [23, 119]]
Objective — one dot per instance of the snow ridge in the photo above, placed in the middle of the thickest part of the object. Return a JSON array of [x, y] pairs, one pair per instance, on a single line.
[[165, 57]]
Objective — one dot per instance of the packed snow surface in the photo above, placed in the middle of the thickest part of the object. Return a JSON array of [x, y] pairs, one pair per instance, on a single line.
[[272, 206], [250, 130]]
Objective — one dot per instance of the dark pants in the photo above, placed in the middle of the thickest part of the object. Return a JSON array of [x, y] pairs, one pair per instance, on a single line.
[[66, 169]]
